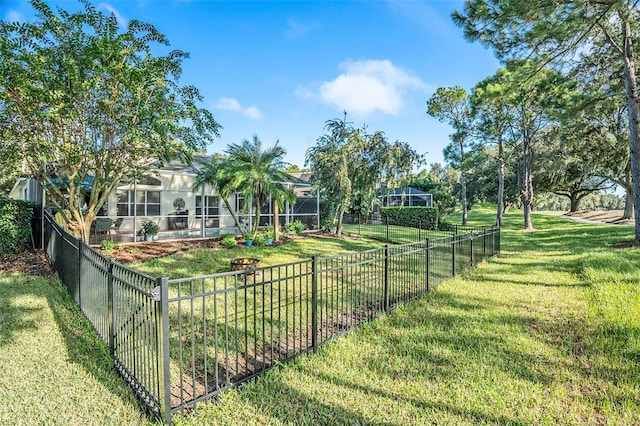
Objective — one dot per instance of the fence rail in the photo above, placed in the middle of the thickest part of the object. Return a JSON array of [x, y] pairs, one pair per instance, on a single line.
[[181, 341]]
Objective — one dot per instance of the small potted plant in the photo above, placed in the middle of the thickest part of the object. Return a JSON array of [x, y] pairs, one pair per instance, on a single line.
[[269, 236], [149, 229], [248, 239]]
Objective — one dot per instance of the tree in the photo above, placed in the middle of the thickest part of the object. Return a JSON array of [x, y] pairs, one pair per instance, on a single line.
[[451, 105], [257, 173], [348, 162], [439, 181], [556, 31], [569, 166], [84, 101], [217, 174], [494, 118]]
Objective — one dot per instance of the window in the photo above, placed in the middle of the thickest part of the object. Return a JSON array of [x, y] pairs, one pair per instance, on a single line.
[[147, 203], [211, 206], [211, 210]]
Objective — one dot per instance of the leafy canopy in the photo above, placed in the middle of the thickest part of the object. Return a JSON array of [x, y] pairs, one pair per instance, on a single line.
[[80, 97]]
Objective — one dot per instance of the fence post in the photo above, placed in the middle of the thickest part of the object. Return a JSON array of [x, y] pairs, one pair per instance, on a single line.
[[427, 264], [419, 230], [471, 247], [386, 279], [453, 253], [484, 242], [161, 297], [314, 303], [111, 312]]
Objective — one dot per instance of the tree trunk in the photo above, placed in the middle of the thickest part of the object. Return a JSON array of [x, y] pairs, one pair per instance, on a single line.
[[341, 210], [574, 202], [463, 186], [500, 207], [634, 122], [527, 183], [628, 200], [276, 222], [226, 203], [257, 218]]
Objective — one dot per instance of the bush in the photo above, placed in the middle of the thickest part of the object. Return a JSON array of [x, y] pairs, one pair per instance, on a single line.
[[423, 217], [15, 226], [108, 246], [228, 241], [295, 228], [260, 240]]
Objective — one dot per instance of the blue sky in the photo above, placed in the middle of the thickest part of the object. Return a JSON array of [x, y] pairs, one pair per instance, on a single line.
[[281, 69]]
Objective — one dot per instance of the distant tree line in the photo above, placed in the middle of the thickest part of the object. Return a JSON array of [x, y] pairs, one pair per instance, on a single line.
[[560, 118]]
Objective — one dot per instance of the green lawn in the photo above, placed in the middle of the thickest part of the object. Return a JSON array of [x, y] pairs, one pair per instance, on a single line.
[[53, 368], [548, 333], [205, 261]]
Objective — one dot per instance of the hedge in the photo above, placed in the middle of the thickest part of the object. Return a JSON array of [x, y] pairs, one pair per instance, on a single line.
[[423, 217], [15, 226]]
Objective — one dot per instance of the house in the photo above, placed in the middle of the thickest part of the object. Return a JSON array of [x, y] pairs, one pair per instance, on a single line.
[[407, 196], [165, 196]]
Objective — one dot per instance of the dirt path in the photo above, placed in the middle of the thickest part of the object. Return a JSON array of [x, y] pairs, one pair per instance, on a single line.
[[599, 216]]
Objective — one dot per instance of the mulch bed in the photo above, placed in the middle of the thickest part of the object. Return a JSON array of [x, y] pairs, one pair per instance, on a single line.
[[35, 262], [30, 262]]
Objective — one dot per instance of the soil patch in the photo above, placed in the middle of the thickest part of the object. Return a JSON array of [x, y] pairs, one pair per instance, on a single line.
[[30, 262], [600, 216]]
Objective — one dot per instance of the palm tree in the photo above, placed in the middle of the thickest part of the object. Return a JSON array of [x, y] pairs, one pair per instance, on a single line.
[[257, 173], [216, 175]]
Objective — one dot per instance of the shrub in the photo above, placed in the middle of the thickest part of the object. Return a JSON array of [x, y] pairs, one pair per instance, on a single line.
[[15, 226], [295, 228], [228, 241], [108, 245], [260, 240], [424, 217]]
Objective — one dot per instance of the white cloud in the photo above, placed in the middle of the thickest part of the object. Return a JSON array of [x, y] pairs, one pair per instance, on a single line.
[[121, 19], [231, 104], [369, 86], [297, 29]]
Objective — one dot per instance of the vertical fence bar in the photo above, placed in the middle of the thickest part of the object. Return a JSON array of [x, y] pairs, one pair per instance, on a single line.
[[161, 293], [426, 263], [387, 228], [484, 242], [79, 278], [314, 303], [111, 315], [386, 278], [471, 247], [493, 249], [453, 253]]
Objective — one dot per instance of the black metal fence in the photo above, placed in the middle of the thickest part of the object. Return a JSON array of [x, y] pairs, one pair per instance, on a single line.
[[402, 232], [122, 305], [178, 342]]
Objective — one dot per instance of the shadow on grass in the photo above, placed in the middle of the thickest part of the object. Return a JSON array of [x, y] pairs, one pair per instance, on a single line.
[[15, 315], [85, 349]]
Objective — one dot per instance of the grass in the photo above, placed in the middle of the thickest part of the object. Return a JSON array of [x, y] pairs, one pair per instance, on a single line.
[[54, 370], [548, 333], [205, 261], [536, 336]]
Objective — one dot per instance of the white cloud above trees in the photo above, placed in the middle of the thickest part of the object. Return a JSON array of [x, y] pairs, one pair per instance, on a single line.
[[369, 86], [231, 104]]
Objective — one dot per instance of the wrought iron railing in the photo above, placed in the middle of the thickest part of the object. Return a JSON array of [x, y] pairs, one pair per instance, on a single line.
[[181, 341]]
